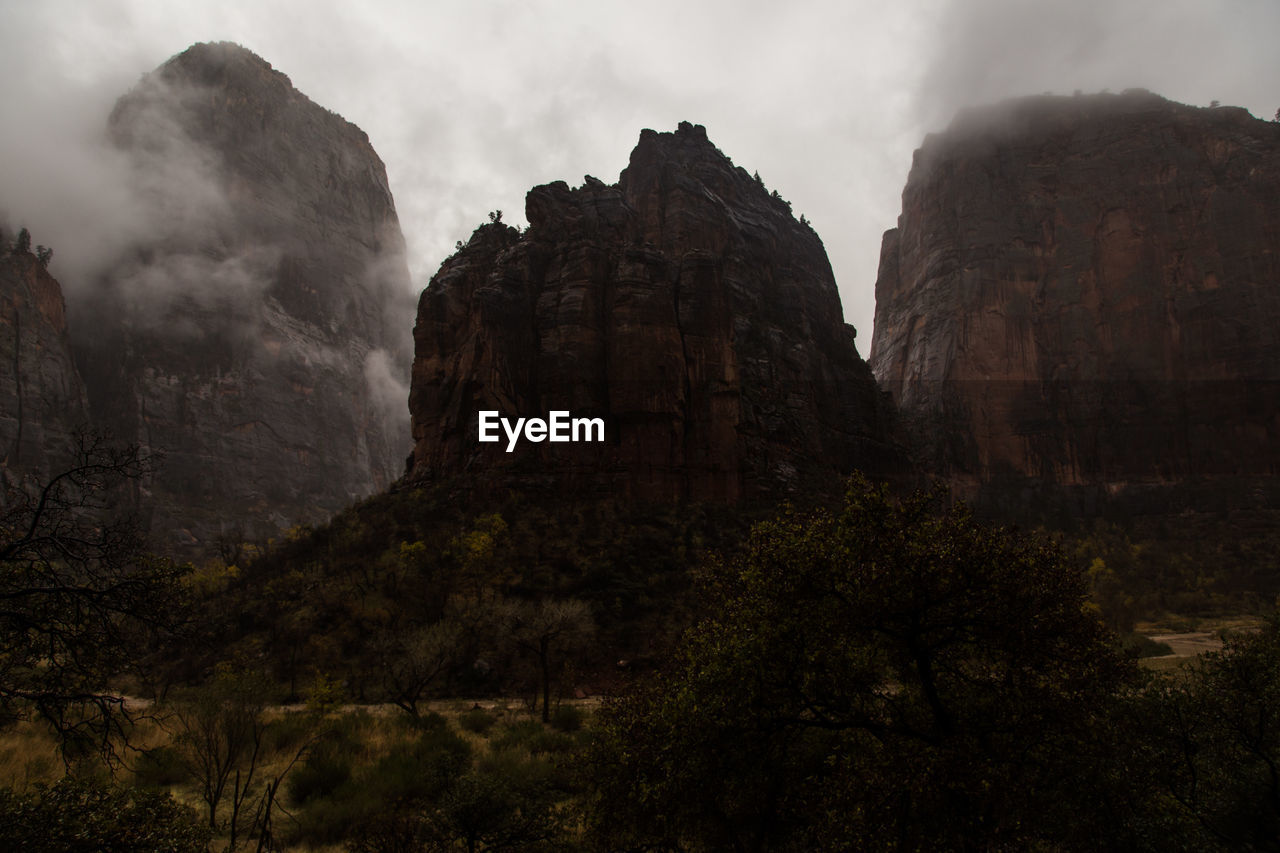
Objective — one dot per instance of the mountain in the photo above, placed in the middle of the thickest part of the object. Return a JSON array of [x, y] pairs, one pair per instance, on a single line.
[[1080, 306], [42, 397], [257, 333], [684, 306]]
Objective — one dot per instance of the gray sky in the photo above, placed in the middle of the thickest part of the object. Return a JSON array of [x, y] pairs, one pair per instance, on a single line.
[[472, 103]]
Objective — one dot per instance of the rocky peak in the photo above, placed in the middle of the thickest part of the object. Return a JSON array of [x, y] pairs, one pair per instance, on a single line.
[[256, 333], [684, 306], [1080, 302]]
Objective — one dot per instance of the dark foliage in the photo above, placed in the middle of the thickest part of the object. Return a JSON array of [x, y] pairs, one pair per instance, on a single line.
[[414, 595], [886, 677], [74, 815], [81, 601]]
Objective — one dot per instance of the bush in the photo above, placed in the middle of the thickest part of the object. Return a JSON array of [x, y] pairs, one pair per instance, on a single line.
[[1142, 646], [160, 768], [477, 721], [324, 771], [567, 718], [517, 735], [75, 815]]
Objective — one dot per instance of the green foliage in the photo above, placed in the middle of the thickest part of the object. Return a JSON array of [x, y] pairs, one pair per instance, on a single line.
[[75, 815], [887, 677], [387, 793], [24, 242], [326, 694], [517, 735], [1211, 746], [1205, 565], [399, 598]]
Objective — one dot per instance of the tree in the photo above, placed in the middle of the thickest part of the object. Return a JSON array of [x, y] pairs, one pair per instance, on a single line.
[[548, 631], [1211, 737], [44, 255], [413, 662], [219, 734], [890, 676], [495, 216], [80, 598], [24, 242]]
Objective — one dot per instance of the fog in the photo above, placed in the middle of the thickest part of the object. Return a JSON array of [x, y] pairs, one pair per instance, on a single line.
[[471, 104]]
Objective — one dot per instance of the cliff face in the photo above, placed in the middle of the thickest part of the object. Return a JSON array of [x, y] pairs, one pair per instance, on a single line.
[[684, 306], [1081, 303], [42, 399], [256, 333]]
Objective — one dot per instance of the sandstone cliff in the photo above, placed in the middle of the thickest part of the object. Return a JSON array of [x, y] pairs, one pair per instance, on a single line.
[[42, 398], [1081, 304], [684, 305], [257, 332]]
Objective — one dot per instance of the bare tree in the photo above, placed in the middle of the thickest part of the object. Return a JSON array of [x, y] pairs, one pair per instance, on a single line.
[[219, 734], [412, 664], [80, 598], [549, 631]]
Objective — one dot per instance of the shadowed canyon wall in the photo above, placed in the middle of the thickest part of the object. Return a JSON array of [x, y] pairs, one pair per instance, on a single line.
[[1080, 306]]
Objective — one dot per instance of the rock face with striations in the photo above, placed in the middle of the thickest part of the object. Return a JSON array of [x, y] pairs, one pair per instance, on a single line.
[[257, 333], [684, 306], [42, 398], [1081, 304]]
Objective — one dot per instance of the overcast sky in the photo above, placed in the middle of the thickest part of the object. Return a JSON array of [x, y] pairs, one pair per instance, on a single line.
[[472, 103]]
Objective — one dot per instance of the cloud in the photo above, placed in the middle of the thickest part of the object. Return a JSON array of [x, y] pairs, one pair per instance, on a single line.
[[388, 391], [1188, 50], [471, 104]]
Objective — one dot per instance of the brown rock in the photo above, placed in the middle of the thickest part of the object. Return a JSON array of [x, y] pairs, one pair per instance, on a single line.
[[683, 305], [42, 398], [1081, 302]]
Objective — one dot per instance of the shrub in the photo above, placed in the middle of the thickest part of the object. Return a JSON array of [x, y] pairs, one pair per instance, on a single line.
[[551, 742], [159, 768], [517, 735], [477, 721], [324, 771], [567, 718], [73, 814]]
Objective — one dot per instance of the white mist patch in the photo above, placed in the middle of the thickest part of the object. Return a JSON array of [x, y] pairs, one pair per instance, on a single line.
[[559, 427], [386, 391]]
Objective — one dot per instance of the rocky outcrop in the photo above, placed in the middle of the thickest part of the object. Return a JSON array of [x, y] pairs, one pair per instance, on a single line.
[[257, 332], [1081, 304], [684, 306], [42, 399]]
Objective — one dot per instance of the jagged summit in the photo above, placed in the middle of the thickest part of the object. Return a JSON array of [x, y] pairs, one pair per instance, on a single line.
[[684, 305]]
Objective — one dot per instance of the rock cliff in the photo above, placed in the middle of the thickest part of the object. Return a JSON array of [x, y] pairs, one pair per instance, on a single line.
[[257, 333], [685, 306], [42, 398], [1081, 304]]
